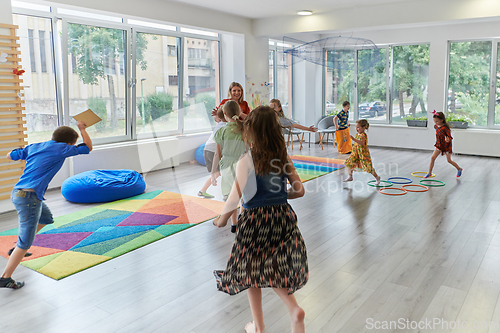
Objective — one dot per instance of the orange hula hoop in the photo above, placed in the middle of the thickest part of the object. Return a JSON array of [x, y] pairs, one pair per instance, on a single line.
[[425, 188], [393, 188]]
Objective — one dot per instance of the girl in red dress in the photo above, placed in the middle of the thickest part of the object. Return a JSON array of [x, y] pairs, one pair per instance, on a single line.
[[443, 143]]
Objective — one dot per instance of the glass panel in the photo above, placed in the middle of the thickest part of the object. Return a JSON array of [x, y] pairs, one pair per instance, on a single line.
[[97, 78], [284, 82], [152, 25], [157, 88], [339, 80], [201, 83], [372, 84], [411, 81], [270, 84], [199, 32], [468, 83], [85, 14], [39, 79], [497, 97], [32, 6]]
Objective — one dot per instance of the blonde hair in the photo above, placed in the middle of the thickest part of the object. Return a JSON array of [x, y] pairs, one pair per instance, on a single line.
[[363, 123], [232, 110], [220, 115], [231, 86], [278, 103]]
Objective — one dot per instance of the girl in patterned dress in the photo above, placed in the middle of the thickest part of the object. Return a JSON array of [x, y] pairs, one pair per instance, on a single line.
[[360, 158], [443, 142], [269, 251]]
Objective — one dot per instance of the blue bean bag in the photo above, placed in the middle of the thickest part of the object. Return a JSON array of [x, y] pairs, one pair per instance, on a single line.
[[103, 186], [198, 155]]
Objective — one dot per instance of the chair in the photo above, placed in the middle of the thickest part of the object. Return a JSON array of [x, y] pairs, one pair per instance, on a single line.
[[291, 132], [326, 126]]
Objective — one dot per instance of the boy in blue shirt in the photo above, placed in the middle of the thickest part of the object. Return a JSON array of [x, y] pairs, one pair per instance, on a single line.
[[43, 161]]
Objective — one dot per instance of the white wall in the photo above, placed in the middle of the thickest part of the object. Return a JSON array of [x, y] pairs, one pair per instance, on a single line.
[[6, 12]]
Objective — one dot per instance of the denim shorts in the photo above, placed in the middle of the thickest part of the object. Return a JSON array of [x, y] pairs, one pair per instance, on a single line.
[[31, 211]]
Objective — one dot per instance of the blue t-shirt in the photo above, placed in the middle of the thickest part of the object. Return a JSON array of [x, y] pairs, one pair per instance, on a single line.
[[43, 161], [342, 119]]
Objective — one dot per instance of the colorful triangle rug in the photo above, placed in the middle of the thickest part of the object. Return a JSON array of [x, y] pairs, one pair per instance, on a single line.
[[89, 237], [310, 167]]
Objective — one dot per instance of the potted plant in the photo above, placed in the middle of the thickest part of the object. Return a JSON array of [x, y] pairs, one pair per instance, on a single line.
[[457, 121], [416, 121]]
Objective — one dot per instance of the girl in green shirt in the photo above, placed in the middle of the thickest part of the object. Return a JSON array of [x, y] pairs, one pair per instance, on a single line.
[[230, 147]]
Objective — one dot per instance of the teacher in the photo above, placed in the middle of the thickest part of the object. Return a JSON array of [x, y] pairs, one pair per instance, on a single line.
[[235, 93]]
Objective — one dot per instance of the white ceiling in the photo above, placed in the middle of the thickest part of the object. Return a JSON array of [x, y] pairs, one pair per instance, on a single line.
[[270, 8]]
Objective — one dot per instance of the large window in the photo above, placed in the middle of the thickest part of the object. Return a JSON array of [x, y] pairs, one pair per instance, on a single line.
[[201, 83], [157, 93], [410, 81], [340, 79], [283, 82], [497, 88], [97, 83], [361, 76], [94, 58], [469, 81], [39, 79], [270, 84], [372, 84]]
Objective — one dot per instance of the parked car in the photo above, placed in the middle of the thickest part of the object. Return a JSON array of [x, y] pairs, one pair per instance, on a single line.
[[330, 107], [372, 109]]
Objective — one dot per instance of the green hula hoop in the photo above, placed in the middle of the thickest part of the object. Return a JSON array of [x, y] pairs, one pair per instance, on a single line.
[[422, 182], [379, 185]]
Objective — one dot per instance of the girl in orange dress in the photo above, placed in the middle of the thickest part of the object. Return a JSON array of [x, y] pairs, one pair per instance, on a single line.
[[443, 142], [360, 158]]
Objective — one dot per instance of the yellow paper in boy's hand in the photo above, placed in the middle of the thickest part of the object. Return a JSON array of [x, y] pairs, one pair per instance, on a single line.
[[88, 117]]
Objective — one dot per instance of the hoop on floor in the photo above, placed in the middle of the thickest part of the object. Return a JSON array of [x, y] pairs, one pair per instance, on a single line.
[[409, 181], [414, 174], [394, 188], [407, 189], [440, 183], [379, 185]]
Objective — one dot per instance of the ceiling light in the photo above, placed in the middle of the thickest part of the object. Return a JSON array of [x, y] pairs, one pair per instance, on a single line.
[[305, 12]]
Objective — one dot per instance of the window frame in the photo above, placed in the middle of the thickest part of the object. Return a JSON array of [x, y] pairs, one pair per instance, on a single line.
[[59, 48]]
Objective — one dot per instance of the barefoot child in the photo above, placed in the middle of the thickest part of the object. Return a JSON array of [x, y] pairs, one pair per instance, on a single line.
[[209, 153], [360, 158], [269, 251], [230, 147], [43, 160], [443, 143]]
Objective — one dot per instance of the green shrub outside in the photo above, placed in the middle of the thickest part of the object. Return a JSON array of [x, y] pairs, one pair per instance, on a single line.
[[98, 105], [157, 105]]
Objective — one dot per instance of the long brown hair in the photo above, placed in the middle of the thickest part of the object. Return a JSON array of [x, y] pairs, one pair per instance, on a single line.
[[278, 103], [232, 110], [440, 115], [231, 86], [263, 132]]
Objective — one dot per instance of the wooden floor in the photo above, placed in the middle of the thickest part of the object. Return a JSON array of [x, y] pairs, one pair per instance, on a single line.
[[372, 258]]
